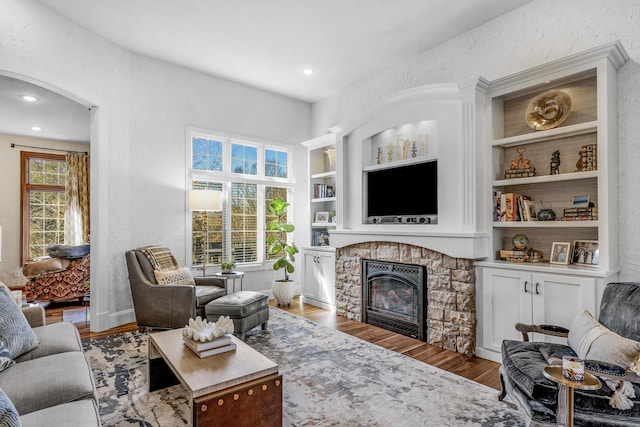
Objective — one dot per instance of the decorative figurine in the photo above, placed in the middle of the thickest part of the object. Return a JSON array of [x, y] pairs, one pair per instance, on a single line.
[[520, 167], [414, 150], [379, 156], [404, 148], [390, 149], [425, 144], [555, 163]]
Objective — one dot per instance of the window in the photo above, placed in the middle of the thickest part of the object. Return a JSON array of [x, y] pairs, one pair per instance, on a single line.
[[244, 159], [275, 163], [245, 174], [43, 202]]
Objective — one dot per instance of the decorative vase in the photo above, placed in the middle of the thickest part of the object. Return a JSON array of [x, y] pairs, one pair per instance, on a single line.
[[283, 291]]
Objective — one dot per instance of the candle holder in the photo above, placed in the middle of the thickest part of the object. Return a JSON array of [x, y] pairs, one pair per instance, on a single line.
[[573, 368]]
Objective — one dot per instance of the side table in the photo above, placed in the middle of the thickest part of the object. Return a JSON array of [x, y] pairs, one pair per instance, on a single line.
[[233, 276], [564, 412]]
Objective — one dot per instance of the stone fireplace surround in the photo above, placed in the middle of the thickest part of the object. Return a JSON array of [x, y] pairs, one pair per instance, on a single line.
[[451, 311]]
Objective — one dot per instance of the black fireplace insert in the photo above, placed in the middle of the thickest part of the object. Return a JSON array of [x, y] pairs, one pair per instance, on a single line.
[[395, 297]]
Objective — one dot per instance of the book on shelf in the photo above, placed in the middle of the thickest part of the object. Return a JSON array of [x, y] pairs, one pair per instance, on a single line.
[[207, 345], [205, 353], [514, 207], [323, 191]]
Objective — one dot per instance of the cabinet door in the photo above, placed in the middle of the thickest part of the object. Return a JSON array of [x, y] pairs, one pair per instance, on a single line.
[[506, 301], [327, 284], [311, 275], [558, 299]]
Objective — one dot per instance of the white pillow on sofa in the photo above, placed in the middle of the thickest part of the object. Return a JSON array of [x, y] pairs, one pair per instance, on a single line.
[[592, 340], [14, 327], [178, 276]]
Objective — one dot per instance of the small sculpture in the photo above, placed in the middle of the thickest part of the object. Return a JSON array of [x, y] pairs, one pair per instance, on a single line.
[[331, 156], [414, 150], [425, 144], [201, 330], [390, 149], [520, 167], [555, 163], [379, 156], [403, 146]]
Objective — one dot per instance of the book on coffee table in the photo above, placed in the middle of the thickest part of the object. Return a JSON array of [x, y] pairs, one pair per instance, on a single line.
[[207, 345], [204, 353]]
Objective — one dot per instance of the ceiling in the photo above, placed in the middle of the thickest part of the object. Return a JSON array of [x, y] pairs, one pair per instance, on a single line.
[[266, 44]]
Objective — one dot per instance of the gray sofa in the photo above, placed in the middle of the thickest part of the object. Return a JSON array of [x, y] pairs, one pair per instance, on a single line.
[[53, 383]]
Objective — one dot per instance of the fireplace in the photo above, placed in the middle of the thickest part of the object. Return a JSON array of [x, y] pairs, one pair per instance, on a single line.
[[395, 297]]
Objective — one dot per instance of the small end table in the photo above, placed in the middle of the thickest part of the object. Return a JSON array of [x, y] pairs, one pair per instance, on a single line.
[[564, 412], [233, 276]]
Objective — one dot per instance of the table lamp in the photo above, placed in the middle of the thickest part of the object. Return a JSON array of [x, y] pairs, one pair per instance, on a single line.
[[204, 200]]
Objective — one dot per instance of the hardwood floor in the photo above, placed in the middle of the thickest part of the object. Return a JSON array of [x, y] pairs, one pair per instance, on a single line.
[[474, 368]]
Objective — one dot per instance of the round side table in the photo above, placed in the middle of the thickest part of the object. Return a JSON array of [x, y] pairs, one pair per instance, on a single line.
[[564, 412], [233, 276]]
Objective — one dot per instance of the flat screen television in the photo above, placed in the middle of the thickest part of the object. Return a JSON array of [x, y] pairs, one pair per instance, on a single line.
[[403, 191]]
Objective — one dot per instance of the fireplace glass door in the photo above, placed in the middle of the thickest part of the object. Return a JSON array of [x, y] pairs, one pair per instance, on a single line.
[[395, 297]]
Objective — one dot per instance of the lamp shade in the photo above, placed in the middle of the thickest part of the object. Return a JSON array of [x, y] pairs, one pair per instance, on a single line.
[[204, 200]]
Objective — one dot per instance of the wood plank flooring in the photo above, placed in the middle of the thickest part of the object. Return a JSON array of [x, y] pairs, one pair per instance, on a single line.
[[474, 368]]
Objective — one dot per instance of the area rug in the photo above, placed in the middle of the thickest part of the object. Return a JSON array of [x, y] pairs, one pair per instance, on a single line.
[[330, 379]]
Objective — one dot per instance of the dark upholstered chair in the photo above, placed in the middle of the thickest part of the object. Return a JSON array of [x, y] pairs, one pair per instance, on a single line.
[[523, 363], [167, 306]]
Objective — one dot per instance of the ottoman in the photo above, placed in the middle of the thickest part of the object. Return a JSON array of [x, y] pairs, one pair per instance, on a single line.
[[247, 309]]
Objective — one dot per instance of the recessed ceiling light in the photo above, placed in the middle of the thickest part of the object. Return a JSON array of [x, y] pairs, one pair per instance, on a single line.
[[36, 128], [308, 71], [28, 98]]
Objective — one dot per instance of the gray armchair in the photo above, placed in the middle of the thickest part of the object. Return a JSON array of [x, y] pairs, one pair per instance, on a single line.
[[523, 362], [167, 306]]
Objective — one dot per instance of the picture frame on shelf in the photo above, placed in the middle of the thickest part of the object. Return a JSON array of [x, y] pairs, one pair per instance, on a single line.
[[320, 238], [322, 216], [585, 253], [581, 201], [560, 253]]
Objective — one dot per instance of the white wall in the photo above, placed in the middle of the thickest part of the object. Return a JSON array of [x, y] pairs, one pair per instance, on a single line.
[[536, 33], [138, 134], [10, 199]]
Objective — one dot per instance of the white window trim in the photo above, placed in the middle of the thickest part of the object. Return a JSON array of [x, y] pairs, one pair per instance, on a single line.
[[226, 177]]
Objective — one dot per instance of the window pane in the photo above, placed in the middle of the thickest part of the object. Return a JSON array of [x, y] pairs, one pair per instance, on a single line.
[[270, 194], [207, 243], [275, 163], [207, 154], [244, 159], [47, 171], [46, 223], [244, 222]]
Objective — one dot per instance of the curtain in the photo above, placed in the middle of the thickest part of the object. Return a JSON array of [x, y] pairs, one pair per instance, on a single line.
[[76, 216]]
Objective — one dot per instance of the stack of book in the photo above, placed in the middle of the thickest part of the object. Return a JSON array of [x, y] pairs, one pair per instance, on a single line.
[[323, 191], [588, 158], [580, 214], [209, 348]]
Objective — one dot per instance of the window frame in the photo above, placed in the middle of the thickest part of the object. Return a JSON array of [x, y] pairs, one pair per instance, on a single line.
[[227, 177], [26, 188]]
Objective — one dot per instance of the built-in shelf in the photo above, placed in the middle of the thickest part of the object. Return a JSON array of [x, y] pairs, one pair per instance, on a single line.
[[548, 135], [398, 163], [323, 224], [325, 199], [546, 224], [546, 178], [323, 175]]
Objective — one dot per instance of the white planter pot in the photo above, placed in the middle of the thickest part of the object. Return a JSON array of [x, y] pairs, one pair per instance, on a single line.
[[283, 291]]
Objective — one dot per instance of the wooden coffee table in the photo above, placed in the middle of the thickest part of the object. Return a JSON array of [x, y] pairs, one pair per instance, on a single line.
[[237, 388]]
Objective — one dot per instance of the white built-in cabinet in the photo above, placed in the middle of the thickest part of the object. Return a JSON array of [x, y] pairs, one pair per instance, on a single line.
[[542, 292], [518, 296], [319, 286]]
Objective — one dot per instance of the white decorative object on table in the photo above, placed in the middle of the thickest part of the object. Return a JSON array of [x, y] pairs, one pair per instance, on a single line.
[[201, 330]]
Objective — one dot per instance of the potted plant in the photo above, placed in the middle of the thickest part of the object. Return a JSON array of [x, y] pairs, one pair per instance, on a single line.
[[227, 267], [285, 250]]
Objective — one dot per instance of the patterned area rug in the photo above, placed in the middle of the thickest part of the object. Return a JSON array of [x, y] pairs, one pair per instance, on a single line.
[[330, 379]]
